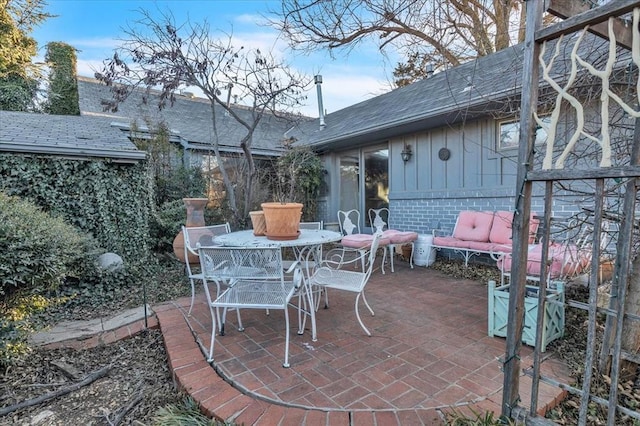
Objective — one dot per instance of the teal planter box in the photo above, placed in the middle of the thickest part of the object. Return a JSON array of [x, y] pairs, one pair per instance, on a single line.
[[553, 319]]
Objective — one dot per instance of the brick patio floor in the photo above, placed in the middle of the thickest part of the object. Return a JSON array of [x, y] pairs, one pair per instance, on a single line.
[[429, 351]]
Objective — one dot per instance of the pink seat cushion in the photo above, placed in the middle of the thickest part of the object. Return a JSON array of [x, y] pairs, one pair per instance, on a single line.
[[400, 237], [566, 260], [448, 242], [473, 226], [361, 241]]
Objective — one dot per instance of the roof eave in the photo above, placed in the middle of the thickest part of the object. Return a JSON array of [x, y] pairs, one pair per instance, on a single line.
[[126, 156], [416, 123]]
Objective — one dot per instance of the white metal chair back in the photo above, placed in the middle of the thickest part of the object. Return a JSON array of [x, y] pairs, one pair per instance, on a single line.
[[371, 258], [195, 236], [239, 263], [349, 221], [308, 261], [379, 219]]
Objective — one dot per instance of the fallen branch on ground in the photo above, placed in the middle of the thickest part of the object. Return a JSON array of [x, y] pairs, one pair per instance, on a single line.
[[122, 411], [90, 378]]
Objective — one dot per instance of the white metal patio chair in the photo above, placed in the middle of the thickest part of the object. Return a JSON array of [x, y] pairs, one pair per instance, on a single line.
[[194, 237], [331, 274], [353, 239], [256, 281]]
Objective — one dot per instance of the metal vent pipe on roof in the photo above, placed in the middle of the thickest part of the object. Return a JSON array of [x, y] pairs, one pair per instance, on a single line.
[[318, 80], [229, 87], [429, 69]]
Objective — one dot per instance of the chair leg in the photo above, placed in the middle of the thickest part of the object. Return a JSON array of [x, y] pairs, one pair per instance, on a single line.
[[326, 298], [302, 320], [240, 326], [366, 330], [307, 306], [413, 249], [286, 344], [193, 295], [213, 334], [392, 248], [364, 298]]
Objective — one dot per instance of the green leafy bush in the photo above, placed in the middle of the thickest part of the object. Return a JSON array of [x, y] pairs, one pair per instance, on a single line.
[[38, 251], [179, 183], [15, 325], [39, 254], [110, 201], [299, 177]]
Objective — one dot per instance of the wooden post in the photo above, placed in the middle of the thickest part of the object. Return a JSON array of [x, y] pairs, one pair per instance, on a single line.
[[529, 101]]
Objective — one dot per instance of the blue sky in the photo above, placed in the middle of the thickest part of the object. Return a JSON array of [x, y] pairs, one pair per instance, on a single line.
[[94, 27]]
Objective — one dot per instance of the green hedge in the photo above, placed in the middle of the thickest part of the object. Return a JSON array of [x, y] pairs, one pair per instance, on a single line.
[[110, 201], [38, 251]]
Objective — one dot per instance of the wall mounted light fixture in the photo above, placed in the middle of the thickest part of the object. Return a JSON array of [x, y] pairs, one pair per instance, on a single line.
[[406, 153]]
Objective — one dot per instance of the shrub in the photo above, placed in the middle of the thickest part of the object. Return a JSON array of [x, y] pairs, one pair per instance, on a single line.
[[38, 251], [165, 225], [186, 413], [15, 325], [109, 200]]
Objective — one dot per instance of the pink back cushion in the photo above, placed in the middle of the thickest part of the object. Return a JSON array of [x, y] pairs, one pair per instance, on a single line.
[[501, 231], [533, 228], [473, 226]]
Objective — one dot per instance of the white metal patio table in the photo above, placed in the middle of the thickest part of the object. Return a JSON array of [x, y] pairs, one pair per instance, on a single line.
[[306, 247]]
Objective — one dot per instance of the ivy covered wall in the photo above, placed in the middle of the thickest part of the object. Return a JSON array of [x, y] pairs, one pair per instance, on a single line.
[[111, 201]]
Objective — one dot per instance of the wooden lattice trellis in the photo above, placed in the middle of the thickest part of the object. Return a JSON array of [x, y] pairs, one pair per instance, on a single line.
[[606, 22]]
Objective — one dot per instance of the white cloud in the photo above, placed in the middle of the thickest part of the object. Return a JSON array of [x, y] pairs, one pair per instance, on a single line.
[[104, 43], [250, 19], [88, 68]]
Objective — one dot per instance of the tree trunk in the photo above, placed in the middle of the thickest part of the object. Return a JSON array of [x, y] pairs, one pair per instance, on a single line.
[[631, 330]]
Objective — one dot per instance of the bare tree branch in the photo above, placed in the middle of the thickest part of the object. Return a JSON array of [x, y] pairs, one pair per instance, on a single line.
[[161, 55], [445, 32]]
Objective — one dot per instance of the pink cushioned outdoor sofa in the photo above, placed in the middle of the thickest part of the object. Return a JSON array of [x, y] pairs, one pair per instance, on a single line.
[[482, 232]]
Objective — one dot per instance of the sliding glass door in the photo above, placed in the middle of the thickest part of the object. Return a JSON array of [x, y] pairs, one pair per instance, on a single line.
[[367, 193], [376, 181], [350, 180]]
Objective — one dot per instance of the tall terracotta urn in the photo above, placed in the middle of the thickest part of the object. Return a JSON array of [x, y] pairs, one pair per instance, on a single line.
[[195, 217], [283, 220]]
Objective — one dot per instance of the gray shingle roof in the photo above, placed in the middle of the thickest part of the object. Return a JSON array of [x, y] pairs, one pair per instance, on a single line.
[[188, 118], [66, 135], [461, 93]]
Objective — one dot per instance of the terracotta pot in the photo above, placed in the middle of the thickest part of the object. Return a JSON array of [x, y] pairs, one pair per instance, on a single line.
[[195, 217], [406, 251], [283, 220], [258, 222]]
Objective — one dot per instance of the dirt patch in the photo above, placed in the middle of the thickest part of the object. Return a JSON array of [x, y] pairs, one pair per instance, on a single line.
[[137, 384]]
